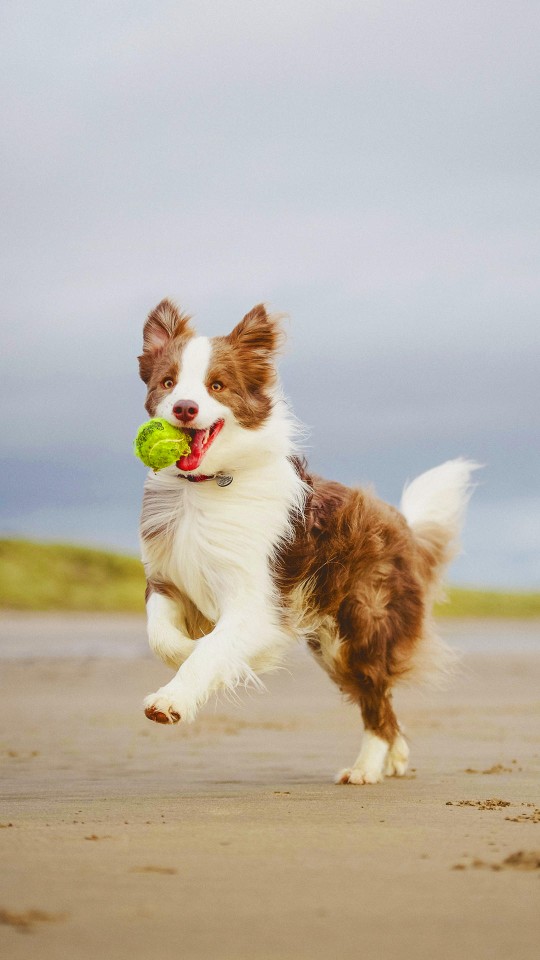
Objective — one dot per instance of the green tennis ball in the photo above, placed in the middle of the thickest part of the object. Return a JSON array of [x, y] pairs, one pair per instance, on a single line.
[[158, 444]]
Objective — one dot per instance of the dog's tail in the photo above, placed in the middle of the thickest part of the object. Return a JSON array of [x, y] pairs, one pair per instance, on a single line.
[[434, 507]]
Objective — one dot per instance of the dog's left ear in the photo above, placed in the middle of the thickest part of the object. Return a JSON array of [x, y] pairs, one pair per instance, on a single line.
[[259, 332]]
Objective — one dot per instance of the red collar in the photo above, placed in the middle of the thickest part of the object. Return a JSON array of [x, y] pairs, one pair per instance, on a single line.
[[197, 478], [222, 479]]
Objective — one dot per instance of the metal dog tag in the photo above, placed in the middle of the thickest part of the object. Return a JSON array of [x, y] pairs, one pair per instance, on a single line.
[[223, 480]]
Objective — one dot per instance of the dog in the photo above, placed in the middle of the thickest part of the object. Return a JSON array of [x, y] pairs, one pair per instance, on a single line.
[[246, 552]]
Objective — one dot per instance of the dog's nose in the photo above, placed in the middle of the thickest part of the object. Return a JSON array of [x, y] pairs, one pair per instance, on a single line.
[[186, 410]]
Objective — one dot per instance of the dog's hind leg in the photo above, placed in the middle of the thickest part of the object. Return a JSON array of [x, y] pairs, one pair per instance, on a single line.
[[361, 669], [379, 757], [397, 760], [384, 751]]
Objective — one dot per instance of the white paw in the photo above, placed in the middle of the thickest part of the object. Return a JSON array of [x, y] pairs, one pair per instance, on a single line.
[[370, 764], [357, 776], [397, 760], [162, 707]]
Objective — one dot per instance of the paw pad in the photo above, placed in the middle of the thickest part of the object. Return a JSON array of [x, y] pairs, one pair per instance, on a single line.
[[159, 717]]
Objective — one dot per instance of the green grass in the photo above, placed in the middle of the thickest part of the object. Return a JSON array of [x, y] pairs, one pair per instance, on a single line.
[[463, 602], [47, 576]]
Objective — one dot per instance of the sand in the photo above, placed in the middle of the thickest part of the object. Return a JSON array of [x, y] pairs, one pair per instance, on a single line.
[[227, 839]]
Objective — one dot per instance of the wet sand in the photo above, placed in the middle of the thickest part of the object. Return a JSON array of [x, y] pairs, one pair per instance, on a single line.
[[227, 839]]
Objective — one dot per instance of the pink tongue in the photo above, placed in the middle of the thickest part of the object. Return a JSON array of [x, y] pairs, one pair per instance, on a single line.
[[191, 460]]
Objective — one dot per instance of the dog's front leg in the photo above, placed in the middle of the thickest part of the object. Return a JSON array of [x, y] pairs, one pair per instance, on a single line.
[[247, 630], [167, 633]]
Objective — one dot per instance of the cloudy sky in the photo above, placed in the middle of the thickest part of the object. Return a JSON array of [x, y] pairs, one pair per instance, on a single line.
[[369, 167]]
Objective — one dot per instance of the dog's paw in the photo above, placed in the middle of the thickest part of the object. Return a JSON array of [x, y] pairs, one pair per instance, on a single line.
[[397, 760], [162, 708], [370, 763], [358, 776]]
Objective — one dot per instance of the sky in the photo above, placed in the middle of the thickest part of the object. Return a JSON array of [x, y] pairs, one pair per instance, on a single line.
[[369, 168]]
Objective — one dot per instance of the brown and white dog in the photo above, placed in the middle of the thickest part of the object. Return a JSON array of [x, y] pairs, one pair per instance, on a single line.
[[246, 552]]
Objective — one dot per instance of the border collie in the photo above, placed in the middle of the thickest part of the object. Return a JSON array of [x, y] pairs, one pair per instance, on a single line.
[[246, 551]]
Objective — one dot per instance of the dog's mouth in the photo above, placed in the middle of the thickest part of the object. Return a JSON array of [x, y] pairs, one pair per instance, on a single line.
[[201, 440]]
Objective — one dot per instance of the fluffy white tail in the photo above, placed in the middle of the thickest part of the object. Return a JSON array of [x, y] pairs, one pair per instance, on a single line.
[[434, 507]]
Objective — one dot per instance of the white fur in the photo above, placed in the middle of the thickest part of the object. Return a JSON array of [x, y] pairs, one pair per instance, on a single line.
[[191, 386], [167, 633], [369, 765], [439, 496], [217, 549], [377, 760], [397, 759]]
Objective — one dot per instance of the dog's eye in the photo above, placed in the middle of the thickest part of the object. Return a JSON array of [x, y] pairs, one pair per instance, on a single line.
[[167, 383], [216, 386]]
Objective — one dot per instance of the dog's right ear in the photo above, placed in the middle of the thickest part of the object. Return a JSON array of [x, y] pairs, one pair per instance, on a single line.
[[164, 324]]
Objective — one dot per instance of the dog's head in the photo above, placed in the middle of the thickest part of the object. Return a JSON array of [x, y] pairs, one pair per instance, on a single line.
[[219, 387]]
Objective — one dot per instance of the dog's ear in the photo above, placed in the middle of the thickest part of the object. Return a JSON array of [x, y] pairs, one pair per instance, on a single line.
[[259, 332], [164, 324], [256, 340]]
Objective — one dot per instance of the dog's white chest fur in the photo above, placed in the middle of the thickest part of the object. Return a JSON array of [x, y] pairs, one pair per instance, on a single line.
[[215, 541]]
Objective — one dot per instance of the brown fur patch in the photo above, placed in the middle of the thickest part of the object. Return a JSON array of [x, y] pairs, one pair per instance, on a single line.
[[243, 363], [367, 574], [164, 323], [165, 335]]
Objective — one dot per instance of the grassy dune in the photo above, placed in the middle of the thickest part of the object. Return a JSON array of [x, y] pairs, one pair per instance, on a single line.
[[463, 602], [44, 576], [47, 576]]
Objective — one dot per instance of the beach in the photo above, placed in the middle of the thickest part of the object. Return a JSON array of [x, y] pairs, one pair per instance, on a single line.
[[227, 838]]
